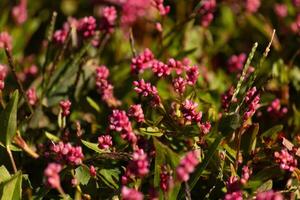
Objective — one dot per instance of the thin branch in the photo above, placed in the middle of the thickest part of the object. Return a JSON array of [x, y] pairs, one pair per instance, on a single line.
[[13, 70], [131, 39], [11, 159]]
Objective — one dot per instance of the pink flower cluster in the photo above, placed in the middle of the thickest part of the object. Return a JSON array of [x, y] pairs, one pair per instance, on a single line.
[[87, 26], [5, 40], [147, 90], [252, 100], [269, 195], [105, 141], [31, 96], [19, 12], [104, 87], [93, 171], [119, 122], [205, 127], [136, 112], [296, 3], [286, 160], [252, 5], [281, 10], [142, 61], [189, 112], [28, 73], [137, 167], [160, 69], [179, 85], [65, 106], [276, 110], [233, 189], [3, 73], [237, 195], [295, 26], [60, 36], [66, 153], [108, 20], [131, 194], [236, 63], [192, 74], [132, 10], [187, 165], [246, 172], [206, 12], [52, 175], [159, 5], [166, 179]]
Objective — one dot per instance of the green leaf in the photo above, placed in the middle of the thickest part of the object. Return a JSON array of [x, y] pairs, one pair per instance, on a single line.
[[4, 174], [110, 177], [8, 119], [12, 188], [249, 139], [153, 131], [93, 146], [52, 137], [82, 174], [229, 123], [265, 186], [199, 170], [93, 104], [272, 132]]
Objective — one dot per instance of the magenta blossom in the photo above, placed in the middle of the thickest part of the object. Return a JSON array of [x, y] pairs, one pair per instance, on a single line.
[[52, 175], [179, 85], [19, 12], [105, 141], [142, 61], [269, 195], [136, 112], [31, 96], [65, 106], [87, 26], [236, 63], [66, 153], [286, 160], [131, 194], [189, 111], [3, 73], [252, 5], [147, 90], [187, 165], [5, 40]]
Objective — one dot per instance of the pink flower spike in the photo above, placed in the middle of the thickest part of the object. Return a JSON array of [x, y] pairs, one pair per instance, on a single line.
[[52, 175], [131, 194], [32, 97], [137, 113], [105, 141], [65, 106], [187, 165]]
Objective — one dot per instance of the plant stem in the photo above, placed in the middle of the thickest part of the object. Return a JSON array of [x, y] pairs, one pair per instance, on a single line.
[[11, 159], [131, 39], [13, 69], [187, 191]]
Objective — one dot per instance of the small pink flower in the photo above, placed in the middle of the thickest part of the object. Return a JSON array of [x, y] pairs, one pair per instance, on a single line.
[[252, 5], [281, 10], [3, 73], [246, 172], [159, 5], [93, 171], [252, 100], [87, 26], [187, 165], [147, 90], [131, 194], [269, 195], [205, 128], [105, 141], [136, 112], [60, 36], [109, 16], [166, 179], [189, 112], [142, 61], [52, 175], [74, 182], [176, 65], [5, 40], [32, 97], [276, 110], [286, 160], [179, 85], [66, 153], [192, 74], [160, 69], [158, 27], [19, 12], [238, 195], [65, 106], [236, 63], [226, 98]]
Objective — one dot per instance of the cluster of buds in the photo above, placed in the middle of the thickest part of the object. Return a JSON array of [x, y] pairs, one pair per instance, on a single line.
[[65, 106], [160, 69], [246, 172], [147, 90], [179, 85], [233, 189], [5, 41], [285, 160], [3, 73], [119, 122], [136, 112], [189, 111], [105, 141], [187, 165], [31, 96], [276, 110], [66, 153], [236, 63], [131, 194], [109, 16], [252, 5], [19, 12], [159, 5], [105, 89], [252, 100], [142, 61], [206, 11], [226, 98], [269, 195], [87, 26], [52, 175], [93, 171], [166, 179], [137, 167], [281, 10]]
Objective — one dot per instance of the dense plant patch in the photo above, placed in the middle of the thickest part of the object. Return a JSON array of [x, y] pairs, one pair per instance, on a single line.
[[150, 99]]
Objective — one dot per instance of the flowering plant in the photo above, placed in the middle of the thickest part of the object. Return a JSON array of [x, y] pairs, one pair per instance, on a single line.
[[149, 99]]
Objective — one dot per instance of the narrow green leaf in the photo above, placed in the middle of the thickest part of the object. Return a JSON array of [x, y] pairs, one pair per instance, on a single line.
[[153, 131], [93, 104], [8, 119], [268, 185], [109, 177], [12, 188], [52, 137], [4, 174], [82, 174], [93, 146], [272, 132]]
